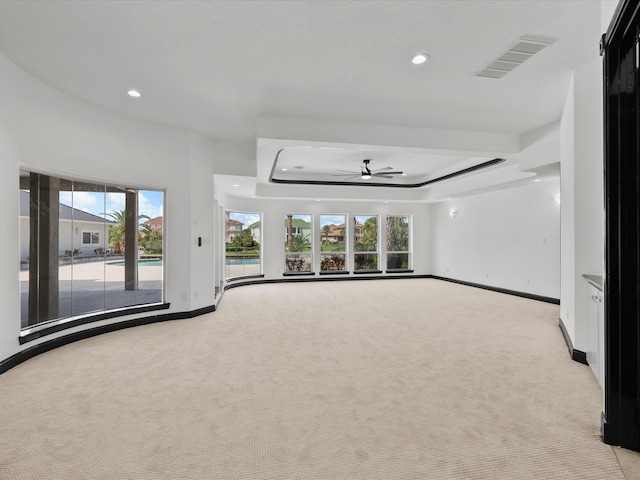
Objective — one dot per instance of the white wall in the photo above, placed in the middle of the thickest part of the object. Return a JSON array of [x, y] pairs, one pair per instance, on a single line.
[[273, 216], [582, 199], [201, 205], [506, 239], [588, 190], [9, 198], [48, 131], [567, 221]]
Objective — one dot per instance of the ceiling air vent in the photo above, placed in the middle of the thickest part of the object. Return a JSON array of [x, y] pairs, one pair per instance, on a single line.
[[515, 55]]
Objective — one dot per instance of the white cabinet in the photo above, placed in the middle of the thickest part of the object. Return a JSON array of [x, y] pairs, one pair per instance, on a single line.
[[595, 328]]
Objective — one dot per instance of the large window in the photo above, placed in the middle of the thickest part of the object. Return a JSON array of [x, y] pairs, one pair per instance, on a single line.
[[365, 243], [397, 242], [333, 243], [243, 233], [85, 248], [297, 243]]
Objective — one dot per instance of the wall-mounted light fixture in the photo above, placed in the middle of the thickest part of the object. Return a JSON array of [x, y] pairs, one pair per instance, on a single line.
[[453, 212], [557, 198]]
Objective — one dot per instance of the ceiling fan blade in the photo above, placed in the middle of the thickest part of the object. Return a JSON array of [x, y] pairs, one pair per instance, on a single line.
[[386, 173], [347, 171], [348, 177], [382, 169], [350, 174]]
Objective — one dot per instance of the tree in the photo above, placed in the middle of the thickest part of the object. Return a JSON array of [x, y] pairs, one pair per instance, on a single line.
[[299, 243], [397, 229], [369, 233], [116, 232], [244, 240], [150, 240], [325, 231], [289, 230]]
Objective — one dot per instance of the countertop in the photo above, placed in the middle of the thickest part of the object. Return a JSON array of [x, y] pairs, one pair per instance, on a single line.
[[595, 280]]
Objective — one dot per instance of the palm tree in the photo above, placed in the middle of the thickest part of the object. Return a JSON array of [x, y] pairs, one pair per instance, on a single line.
[[116, 232], [299, 243], [397, 234], [325, 231]]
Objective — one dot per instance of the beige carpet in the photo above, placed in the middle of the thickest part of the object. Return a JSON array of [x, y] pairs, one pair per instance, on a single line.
[[385, 379]]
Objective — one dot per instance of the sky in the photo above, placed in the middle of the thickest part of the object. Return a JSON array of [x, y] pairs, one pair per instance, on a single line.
[[246, 218], [332, 220], [150, 202]]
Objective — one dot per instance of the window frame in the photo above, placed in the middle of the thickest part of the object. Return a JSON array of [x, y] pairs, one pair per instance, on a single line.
[[304, 264], [63, 253], [388, 253], [231, 233], [344, 252], [364, 253]]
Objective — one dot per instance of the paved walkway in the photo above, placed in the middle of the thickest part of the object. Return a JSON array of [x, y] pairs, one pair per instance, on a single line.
[[96, 286]]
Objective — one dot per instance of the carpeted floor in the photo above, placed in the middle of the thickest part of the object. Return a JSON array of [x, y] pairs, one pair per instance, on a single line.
[[386, 379]]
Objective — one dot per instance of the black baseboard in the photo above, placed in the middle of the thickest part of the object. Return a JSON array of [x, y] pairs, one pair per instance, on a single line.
[[375, 275], [576, 355], [46, 329], [43, 347], [339, 276], [31, 352], [532, 296]]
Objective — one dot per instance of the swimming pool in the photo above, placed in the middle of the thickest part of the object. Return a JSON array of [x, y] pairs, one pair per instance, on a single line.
[[143, 262], [242, 261]]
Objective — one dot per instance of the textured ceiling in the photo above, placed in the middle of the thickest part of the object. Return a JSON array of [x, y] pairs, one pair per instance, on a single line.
[[215, 66]]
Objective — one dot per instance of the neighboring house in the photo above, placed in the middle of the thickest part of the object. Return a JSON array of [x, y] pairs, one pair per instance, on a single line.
[[357, 231], [255, 231], [78, 230], [335, 234], [233, 229], [298, 227], [155, 224]]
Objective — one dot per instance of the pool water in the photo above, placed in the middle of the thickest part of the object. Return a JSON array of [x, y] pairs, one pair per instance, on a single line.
[[242, 261], [143, 262]]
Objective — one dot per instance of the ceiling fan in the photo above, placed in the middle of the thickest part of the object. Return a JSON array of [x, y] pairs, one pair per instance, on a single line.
[[366, 173]]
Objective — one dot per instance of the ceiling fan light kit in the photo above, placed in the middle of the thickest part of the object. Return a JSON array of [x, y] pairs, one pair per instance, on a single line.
[[367, 174]]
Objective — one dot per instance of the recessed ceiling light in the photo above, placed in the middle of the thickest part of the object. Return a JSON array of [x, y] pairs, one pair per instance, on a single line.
[[537, 180], [419, 59], [236, 185], [285, 169], [134, 93]]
